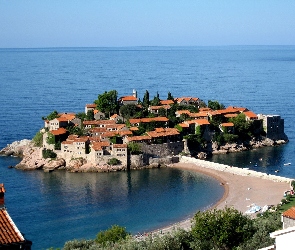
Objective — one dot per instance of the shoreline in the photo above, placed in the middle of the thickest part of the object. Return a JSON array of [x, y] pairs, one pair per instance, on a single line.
[[242, 188]]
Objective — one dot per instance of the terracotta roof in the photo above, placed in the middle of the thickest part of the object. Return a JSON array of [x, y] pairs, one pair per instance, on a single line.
[[199, 122], [98, 122], [290, 213], [183, 125], [180, 112], [200, 114], [127, 98], [227, 124], [125, 132], [68, 116], [60, 131], [230, 115], [97, 146], [250, 114], [139, 138], [109, 134], [92, 105], [166, 102], [9, 233], [188, 99], [120, 145], [98, 130], [159, 107], [146, 120], [205, 109], [115, 126], [114, 116], [163, 133], [133, 129]]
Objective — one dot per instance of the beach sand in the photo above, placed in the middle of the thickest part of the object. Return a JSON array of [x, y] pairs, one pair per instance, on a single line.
[[240, 190]]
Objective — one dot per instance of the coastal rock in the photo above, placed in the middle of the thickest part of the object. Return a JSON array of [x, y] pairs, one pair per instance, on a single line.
[[16, 148], [51, 164]]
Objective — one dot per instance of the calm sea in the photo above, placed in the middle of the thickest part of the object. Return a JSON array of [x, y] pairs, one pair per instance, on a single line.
[[51, 208]]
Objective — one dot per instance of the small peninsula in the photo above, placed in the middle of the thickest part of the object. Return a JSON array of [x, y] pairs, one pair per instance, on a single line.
[[123, 133]]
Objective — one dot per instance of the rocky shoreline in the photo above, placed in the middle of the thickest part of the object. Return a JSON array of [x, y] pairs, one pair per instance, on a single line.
[[32, 157]]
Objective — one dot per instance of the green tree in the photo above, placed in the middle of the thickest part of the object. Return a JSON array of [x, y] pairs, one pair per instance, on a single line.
[[113, 161], [156, 100], [221, 229], [242, 127], [129, 111], [51, 116], [215, 105], [170, 97], [113, 234], [47, 153], [162, 112], [134, 148], [107, 102], [81, 116], [90, 115], [38, 139], [146, 100], [50, 138]]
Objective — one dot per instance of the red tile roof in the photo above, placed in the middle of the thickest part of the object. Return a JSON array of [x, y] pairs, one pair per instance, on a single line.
[[60, 131], [166, 102], [146, 120], [163, 132], [119, 145], [92, 105], [290, 213], [180, 112], [250, 114], [9, 233], [99, 122], [97, 146], [227, 124], [139, 138], [68, 116], [127, 98]]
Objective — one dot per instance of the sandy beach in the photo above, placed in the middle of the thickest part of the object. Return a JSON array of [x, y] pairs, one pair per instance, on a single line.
[[242, 187]]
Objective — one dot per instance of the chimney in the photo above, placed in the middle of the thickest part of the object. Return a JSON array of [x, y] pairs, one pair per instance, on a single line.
[[2, 191]]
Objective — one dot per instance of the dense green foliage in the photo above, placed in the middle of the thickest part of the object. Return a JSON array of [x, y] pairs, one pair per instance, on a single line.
[[156, 100], [51, 116], [113, 161], [38, 139], [50, 138], [130, 111], [47, 153], [81, 116], [146, 100], [113, 234], [107, 102], [170, 97], [90, 115], [221, 229], [215, 105], [134, 148]]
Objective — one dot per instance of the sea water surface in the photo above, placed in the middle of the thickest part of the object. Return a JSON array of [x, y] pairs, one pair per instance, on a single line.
[[50, 208]]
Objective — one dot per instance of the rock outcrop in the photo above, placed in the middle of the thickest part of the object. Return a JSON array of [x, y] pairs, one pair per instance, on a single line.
[[16, 148]]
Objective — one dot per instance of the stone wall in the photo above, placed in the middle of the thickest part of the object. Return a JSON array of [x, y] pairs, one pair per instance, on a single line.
[[162, 150]]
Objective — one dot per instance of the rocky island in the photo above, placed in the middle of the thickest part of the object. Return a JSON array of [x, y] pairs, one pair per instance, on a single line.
[[123, 133]]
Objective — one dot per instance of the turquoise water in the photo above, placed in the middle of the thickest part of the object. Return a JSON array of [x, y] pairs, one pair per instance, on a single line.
[[52, 208]]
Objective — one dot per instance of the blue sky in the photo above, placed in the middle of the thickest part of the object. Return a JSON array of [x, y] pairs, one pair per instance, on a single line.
[[110, 23]]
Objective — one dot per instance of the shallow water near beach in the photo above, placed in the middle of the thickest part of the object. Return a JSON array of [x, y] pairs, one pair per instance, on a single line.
[[51, 208]]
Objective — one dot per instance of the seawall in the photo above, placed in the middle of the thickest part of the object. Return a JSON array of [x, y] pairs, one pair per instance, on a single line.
[[233, 170]]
